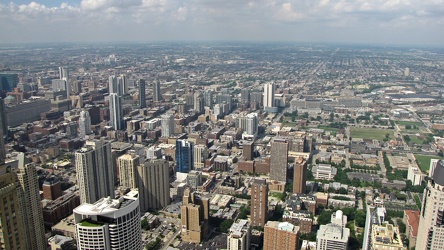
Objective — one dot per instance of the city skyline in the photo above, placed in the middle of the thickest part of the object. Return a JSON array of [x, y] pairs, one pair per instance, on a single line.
[[333, 21]]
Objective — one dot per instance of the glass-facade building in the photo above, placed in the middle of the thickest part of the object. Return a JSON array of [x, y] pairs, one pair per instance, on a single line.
[[184, 156]]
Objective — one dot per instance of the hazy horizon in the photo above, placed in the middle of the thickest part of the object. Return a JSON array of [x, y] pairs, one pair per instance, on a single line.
[[379, 22]]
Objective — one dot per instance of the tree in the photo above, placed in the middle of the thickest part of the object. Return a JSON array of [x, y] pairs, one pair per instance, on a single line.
[[343, 190], [360, 218], [225, 225], [144, 224]]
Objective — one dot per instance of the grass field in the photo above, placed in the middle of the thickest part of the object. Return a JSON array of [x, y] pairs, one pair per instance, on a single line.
[[405, 123], [327, 128], [424, 161], [415, 139], [370, 133]]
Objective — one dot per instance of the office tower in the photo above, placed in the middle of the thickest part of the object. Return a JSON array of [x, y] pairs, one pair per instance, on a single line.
[[8, 81], [252, 124], [142, 94], [157, 95], [115, 111], [77, 87], [30, 209], [52, 188], [3, 132], [84, 124], [167, 123], [248, 150], [64, 75], [406, 72], [279, 160], [281, 235], [300, 176], [11, 226], [109, 223], [184, 156], [198, 102], [127, 165], [333, 235], [195, 213], [431, 220], [112, 85], [238, 237], [245, 96], [269, 103], [208, 98], [259, 202], [153, 181], [95, 171], [257, 97], [225, 98], [200, 155], [122, 84]]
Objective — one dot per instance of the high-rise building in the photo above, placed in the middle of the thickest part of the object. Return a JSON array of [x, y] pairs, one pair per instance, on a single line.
[[281, 235], [84, 124], [195, 212], [52, 188], [300, 176], [333, 235], [127, 165], [208, 98], [245, 96], [375, 217], [248, 150], [252, 124], [198, 102], [157, 95], [109, 223], [200, 155], [122, 84], [431, 219], [269, 102], [64, 75], [95, 171], [142, 94], [238, 237], [167, 122], [184, 156], [11, 223], [3, 132], [433, 163], [259, 202], [386, 236], [279, 160], [8, 81], [225, 98], [112, 85], [31, 211], [153, 181], [115, 111]]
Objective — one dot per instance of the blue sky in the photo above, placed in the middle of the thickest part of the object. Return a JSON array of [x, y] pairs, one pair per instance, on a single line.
[[419, 22]]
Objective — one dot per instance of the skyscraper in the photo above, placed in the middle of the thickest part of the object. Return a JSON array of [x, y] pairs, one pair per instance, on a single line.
[[157, 95], [184, 156], [208, 98], [279, 159], [142, 94], [334, 235], [281, 235], [84, 124], [259, 202], [127, 165], [3, 132], [115, 111], [153, 181], [300, 176], [64, 75], [167, 123], [11, 227], [195, 212], [112, 85], [431, 218], [109, 223], [31, 211], [198, 102], [95, 171], [238, 237], [245, 96], [248, 150], [252, 124], [200, 155], [269, 103]]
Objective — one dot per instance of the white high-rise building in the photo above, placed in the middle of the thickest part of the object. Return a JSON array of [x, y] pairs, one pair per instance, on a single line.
[[200, 155], [127, 165], [333, 236], [95, 171], [115, 111], [433, 163], [269, 102], [167, 125], [64, 75], [431, 218], [252, 124], [238, 237], [84, 124], [153, 181], [157, 96], [30, 209], [109, 223]]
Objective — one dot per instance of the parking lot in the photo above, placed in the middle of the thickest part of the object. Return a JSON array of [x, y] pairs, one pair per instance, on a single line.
[[215, 241]]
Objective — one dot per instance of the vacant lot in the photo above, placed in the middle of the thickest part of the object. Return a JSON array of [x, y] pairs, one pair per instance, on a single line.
[[371, 133], [424, 161]]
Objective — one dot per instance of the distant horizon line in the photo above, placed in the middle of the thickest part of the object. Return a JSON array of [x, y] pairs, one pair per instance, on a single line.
[[157, 42]]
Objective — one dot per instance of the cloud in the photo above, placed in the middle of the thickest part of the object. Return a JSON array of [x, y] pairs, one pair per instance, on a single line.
[[224, 19]]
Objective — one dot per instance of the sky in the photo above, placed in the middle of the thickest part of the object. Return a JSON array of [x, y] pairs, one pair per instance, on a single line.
[[394, 22]]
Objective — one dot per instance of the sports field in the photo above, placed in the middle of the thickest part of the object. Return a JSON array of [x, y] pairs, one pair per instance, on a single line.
[[370, 133]]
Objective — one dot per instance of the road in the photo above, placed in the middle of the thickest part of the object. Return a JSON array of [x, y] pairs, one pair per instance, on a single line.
[[171, 239]]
